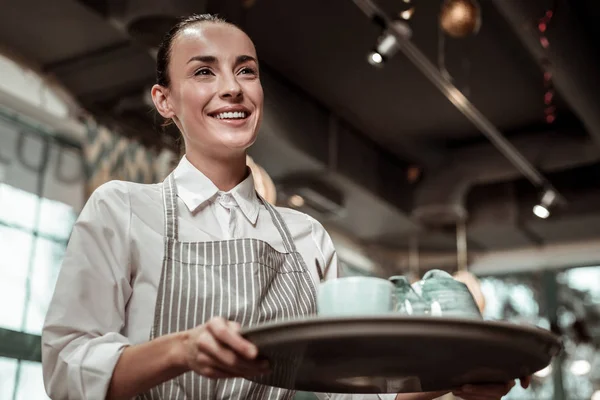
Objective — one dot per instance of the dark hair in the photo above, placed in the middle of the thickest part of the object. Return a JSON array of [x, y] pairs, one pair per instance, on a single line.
[[163, 56]]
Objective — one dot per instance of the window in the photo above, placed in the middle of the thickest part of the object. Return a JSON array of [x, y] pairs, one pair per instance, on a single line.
[[33, 237], [34, 230]]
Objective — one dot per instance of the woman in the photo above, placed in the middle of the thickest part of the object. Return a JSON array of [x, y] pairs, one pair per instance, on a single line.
[[158, 279]]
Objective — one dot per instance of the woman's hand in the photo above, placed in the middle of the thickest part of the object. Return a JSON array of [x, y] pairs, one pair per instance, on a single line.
[[488, 392], [217, 350]]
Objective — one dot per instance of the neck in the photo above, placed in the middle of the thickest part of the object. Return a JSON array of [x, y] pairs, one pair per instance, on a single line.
[[225, 173]]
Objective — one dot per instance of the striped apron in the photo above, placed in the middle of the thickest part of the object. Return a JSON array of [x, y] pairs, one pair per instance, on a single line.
[[243, 280]]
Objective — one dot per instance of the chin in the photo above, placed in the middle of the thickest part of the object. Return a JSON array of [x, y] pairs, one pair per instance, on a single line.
[[239, 140]]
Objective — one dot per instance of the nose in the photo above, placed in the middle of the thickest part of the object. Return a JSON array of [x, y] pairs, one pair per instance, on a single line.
[[230, 88]]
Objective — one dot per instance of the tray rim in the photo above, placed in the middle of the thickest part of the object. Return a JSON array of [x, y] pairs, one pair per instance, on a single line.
[[542, 333]]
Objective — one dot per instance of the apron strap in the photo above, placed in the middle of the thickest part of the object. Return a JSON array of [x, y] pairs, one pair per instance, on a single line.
[[170, 207], [281, 226]]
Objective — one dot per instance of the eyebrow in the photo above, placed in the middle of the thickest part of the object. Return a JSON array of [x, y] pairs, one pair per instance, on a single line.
[[213, 60]]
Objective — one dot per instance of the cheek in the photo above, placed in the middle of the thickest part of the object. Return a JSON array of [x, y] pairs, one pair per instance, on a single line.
[[254, 92], [194, 99]]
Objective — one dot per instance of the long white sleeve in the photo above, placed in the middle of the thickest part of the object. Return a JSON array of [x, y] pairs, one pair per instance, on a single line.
[[80, 339]]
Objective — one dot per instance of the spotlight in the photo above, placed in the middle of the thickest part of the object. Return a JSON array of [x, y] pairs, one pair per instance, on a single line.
[[375, 59], [542, 210], [388, 43], [407, 14]]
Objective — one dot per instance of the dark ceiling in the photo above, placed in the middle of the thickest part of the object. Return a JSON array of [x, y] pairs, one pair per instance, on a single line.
[[317, 50]]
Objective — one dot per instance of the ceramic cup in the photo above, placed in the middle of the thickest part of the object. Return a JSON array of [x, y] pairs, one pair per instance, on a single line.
[[446, 296], [355, 296], [407, 300]]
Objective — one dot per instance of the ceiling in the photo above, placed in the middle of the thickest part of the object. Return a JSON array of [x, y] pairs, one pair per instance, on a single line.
[[356, 127]]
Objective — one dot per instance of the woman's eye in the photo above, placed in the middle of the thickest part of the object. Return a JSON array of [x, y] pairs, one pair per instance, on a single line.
[[203, 71], [247, 70]]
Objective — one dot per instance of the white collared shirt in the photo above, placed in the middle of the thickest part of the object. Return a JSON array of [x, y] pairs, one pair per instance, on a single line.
[[106, 291]]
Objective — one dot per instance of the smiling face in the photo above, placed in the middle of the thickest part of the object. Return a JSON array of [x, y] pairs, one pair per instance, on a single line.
[[214, 94]]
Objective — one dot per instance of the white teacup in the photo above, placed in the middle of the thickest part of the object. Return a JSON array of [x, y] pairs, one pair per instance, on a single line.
[[355, 296]]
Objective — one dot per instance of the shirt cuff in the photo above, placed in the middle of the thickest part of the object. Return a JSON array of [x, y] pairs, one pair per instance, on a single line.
[[99, 357]]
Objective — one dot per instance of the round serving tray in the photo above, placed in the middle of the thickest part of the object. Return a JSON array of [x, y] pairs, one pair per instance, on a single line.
[[398, 354]]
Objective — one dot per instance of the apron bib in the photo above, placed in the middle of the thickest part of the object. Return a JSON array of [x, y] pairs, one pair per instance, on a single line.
[[242, 280]]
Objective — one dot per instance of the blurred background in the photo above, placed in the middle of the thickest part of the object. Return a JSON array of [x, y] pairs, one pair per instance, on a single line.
[[454, 134]]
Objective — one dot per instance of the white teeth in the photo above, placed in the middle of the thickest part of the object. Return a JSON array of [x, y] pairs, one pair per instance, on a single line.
[[231, 115]]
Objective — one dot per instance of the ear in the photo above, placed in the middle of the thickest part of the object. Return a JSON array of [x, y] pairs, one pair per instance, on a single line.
[[161, 101]]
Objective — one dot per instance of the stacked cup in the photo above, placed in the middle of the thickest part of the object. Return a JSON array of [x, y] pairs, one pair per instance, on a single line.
[[438, 294]]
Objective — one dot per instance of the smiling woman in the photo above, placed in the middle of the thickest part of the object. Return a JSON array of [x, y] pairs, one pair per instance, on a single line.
[[158, 280]]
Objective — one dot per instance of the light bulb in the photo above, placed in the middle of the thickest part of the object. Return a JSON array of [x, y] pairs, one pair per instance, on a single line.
[[375, 58], [541, 211]]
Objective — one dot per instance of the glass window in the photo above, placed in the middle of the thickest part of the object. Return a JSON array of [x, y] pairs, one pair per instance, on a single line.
[[56, 219], [519, 299], [31, 382], [8, 373], [25, 289], [47, 260], [17, 207], [15, 250]]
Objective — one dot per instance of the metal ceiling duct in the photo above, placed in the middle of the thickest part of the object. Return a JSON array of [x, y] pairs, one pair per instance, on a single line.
[[440, 197]]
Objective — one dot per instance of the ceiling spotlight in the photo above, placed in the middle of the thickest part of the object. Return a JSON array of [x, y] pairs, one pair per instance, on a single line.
[[407, 14], [375, 59], [296, 201], [388, 43], [542, 210], [580, 367]]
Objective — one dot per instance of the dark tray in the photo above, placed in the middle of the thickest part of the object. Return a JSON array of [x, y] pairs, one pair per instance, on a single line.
[[398, 354]]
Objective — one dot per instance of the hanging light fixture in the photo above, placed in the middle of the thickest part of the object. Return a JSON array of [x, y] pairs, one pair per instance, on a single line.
[[460, 18], [542, 209], [388, 44]]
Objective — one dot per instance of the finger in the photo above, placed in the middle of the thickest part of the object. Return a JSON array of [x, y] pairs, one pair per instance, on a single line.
[[241, 367], [213, 372], [228, 335], [234, 325], [214, 354]]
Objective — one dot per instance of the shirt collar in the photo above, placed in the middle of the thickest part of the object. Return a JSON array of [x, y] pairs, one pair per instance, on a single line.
[[194, 189]]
